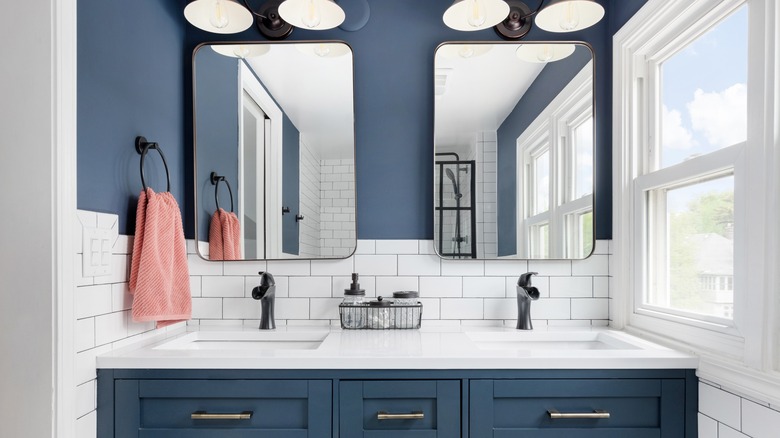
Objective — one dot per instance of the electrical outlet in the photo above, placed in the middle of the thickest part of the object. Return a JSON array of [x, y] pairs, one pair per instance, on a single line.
[[98, 243]]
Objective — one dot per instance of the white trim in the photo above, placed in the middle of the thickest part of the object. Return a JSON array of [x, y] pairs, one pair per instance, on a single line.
[[64, 115], [747, 363], [273, 165]]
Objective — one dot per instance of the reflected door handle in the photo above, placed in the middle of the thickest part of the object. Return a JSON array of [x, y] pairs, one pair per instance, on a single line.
[[595, 415], [285, 210], [203, 415], [382, 415], [298, 218]]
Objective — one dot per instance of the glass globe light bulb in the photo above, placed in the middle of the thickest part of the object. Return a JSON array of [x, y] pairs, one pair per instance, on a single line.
[[467, 51], [219, 17], [544, 53], [311, 16], [570, 18], [241, 51], [476, 13], [322, 50]]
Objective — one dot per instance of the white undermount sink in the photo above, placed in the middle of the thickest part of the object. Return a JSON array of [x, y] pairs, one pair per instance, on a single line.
[[563, 340], [246, 341]]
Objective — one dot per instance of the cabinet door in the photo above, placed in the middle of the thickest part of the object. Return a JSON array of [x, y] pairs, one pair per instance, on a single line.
[[271, 408], [637, 408], [392, 408]]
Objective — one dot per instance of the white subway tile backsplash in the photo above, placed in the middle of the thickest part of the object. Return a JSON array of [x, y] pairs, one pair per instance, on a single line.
[[571, 287], [311, 287], [759, 421], [376, 264], [195, 286], [222, 287], [494, 287], [333, 267], [385, 286], [85, 398], [85, 363], [589, 308], [463, 268], [93, 300], [721, 405], [397, 247], [551, 308], [291, 308], [419, 265], [727, 432], [86, 426], [431, 308], [243, 267], [324, 308], [549, 268], [199, 266], [207, 308], [241, 308], [289, 267], [441, 287], [501, 308], [426, 247], [366, 247], [601, 287], [462, 308], [593, 265], [506, 268], [367, 283], [84, 332], [111, 327]]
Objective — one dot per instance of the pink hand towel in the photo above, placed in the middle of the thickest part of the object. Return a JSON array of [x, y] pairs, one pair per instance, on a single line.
[[224, 236], [159, 274]]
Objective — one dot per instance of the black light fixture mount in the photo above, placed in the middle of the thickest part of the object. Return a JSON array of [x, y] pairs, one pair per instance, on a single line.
[[518, 23], [269, 22]]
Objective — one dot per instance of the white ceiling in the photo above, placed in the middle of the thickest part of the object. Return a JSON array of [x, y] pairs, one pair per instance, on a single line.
[[316, 94], [479, 92]]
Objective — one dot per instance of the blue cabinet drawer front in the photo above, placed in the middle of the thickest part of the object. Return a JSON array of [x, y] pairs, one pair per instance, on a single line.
[[360, 402], [279, 408], [641, 408]]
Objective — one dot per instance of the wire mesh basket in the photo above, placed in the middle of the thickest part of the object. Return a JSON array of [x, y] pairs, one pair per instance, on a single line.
[[393, 317]]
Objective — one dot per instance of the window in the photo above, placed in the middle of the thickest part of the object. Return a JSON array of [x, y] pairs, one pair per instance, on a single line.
[[555, 154], [696, 183]]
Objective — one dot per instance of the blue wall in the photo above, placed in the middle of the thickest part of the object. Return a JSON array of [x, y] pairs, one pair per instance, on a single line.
[[134, 79], [291, 192], [131, 67], [552, 79]]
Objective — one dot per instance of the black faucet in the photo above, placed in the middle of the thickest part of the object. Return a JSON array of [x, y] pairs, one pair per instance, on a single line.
[[525, 294], [266, 293]]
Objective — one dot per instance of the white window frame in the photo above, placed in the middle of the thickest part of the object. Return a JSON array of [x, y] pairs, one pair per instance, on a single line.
[[746, 356], [552, 131]]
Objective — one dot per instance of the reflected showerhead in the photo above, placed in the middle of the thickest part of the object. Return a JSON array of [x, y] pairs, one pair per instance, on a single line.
[[455, 187]]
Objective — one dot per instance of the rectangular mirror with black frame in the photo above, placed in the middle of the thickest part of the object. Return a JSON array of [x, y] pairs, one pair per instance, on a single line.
[[274, 150], [513, 150]]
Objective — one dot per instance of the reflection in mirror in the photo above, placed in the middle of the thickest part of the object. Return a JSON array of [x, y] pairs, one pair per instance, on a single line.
[[276, 121], [513, 143]]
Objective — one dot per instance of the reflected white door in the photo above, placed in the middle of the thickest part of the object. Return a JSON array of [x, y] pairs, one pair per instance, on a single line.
[[252, 176]]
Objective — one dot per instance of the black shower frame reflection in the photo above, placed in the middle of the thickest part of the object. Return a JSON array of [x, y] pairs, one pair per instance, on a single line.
[[440, 209]]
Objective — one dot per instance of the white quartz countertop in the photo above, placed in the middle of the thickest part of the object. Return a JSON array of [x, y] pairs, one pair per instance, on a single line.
[[427, 348]]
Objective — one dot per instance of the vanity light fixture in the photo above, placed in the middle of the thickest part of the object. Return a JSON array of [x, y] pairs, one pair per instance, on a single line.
[[543, 53], [218, 16], [515, 22], [469, 15], [275, 18], [312, 14]]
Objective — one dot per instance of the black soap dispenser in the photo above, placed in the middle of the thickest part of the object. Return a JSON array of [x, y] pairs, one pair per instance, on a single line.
[[354, 295]]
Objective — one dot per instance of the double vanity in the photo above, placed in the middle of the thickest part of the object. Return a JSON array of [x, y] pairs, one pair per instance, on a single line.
[[433, 382]]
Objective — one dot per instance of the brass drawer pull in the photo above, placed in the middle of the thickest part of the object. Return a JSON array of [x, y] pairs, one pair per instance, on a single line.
[[202, 415], [595, 415], [382, 415]]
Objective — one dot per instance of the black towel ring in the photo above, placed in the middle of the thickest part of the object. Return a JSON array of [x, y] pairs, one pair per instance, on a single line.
[[215, 179], [142, 147]]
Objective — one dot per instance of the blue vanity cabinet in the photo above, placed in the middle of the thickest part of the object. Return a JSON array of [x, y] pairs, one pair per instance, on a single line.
[[576, 408], [400, 408], [149, 408]]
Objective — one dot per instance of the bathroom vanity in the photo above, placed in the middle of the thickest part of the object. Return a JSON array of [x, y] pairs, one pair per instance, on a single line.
[[415, 383]]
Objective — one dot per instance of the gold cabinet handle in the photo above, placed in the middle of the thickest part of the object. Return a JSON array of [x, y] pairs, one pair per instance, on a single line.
[[203, 415], [595, 415], [417, 415]]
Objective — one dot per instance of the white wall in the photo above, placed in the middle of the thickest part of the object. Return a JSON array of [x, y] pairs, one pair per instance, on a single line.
[[29, 260]]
